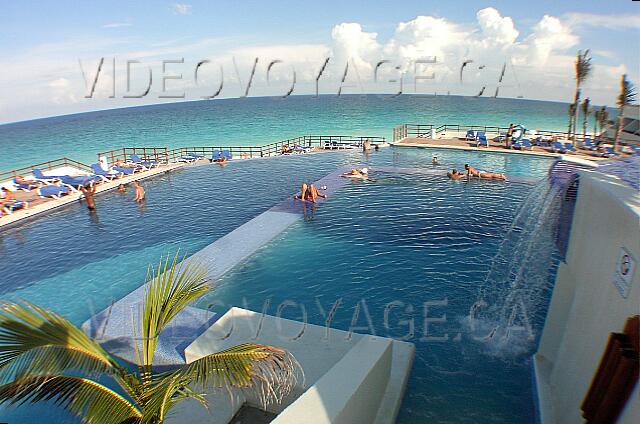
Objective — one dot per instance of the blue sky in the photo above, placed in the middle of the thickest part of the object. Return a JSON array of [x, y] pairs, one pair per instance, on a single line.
[[41, 42]]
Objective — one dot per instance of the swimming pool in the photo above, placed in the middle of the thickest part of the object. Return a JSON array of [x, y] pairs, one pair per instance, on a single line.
[[403, 238]]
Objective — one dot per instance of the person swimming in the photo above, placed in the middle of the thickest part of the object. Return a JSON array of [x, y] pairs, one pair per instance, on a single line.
[[122, 188], [357, 173], [471, 171], [455, 175], [434, 160]]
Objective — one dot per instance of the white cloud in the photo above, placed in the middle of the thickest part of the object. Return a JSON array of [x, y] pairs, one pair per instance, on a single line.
[[615, 22], [182, 9], [46, 79], [117, 25]]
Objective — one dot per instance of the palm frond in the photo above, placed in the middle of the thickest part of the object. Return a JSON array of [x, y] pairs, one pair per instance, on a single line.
[[627, 92], [81, 397], [172, 287], [270, 372], [29, 333], [583, 66]]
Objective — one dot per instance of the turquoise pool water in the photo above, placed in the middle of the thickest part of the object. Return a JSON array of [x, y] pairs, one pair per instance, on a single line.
[[398, 238], [256, 121]]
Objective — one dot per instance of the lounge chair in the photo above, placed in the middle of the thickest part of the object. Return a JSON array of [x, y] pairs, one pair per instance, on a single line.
[[25, 187], [106, 176], [144, 163], [17, 204], [569, 148], [470, 135], [188, 158], [47, 179], [227, 154], [77, 182], [608, 152], [301, 149], [524, 143], [53, 191], [124, 171], [481, 139], [588, 145], [558, 147]]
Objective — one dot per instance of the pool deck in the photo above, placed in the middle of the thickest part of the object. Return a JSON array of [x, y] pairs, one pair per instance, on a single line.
[[38, 205], [456, 143]]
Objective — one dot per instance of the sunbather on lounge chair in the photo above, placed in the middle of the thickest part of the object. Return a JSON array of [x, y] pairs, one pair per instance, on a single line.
[[24, 184]]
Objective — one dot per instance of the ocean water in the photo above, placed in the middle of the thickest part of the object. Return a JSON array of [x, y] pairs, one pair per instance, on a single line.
[[406, 238], [256, 121]]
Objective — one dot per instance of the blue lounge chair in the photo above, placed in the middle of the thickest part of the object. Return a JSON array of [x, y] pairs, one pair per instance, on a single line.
[[77, 182], [195, 155], [588, 145], [227, 154], [17, 204], [106, 176], [481, 139], [569, 148], [217, 155], [470, 135], [53, 191], [635, 150], [526, 144], [558, 147], [125, 171], [144, 163], [25, 187], [39, 176], [608, 152]]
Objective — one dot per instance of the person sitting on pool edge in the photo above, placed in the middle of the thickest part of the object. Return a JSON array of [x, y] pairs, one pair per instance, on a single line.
[[357, 173], [455, 175], [310, 193]]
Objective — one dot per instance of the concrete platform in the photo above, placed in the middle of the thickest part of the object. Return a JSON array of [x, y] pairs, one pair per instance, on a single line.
[[38, 206]]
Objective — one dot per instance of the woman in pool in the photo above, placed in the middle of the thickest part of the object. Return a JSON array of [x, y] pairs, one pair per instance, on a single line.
[[310, 193], [473, 172], [357, 173]]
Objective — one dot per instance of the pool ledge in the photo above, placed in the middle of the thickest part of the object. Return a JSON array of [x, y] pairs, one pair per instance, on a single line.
[[112, 327]]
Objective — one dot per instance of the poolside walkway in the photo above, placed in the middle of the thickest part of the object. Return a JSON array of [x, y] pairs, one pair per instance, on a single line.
[[39, 205], [497, 147]]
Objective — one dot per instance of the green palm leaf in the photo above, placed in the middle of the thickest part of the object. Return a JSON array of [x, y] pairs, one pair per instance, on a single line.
[[84, 398], [170, 289], [34, 340], [270, 372]]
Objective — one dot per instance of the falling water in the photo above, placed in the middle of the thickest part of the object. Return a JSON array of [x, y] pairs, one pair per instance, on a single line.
[[513, 297]]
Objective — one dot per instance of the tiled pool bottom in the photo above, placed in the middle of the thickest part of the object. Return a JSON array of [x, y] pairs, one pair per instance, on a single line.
[[76, 263], [399, 249]]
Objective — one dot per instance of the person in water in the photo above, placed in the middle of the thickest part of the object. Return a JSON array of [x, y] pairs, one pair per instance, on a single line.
[[455, 175], [122, 188], [366, 146], [140, 194], [434, 160], [88, 195], [310, 193], [357, 173], [221, 161], [473, 172]]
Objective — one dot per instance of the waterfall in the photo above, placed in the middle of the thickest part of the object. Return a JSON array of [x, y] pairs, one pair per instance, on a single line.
[[513, 297]]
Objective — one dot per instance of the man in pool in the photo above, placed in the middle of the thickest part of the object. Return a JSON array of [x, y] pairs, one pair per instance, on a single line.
[[434, 160], [310, 193], [88, 195], [455, 175], [140, 194], [357, 173]]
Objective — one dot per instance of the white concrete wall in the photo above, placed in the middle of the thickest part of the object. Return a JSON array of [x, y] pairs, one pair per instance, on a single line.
[[350, 393], [586, 306]]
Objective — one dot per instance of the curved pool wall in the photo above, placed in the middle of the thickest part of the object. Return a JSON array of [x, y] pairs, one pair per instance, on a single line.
[[447, 233]]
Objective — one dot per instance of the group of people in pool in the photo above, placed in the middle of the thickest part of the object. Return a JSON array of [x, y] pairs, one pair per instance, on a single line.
[[454, 174], [311, 193], [88, 193]]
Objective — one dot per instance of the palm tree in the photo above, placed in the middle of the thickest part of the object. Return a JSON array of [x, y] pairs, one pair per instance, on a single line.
[[582, 71], [627, 96], [602, 118], [571, 111], [586, 103], [42, 354]]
